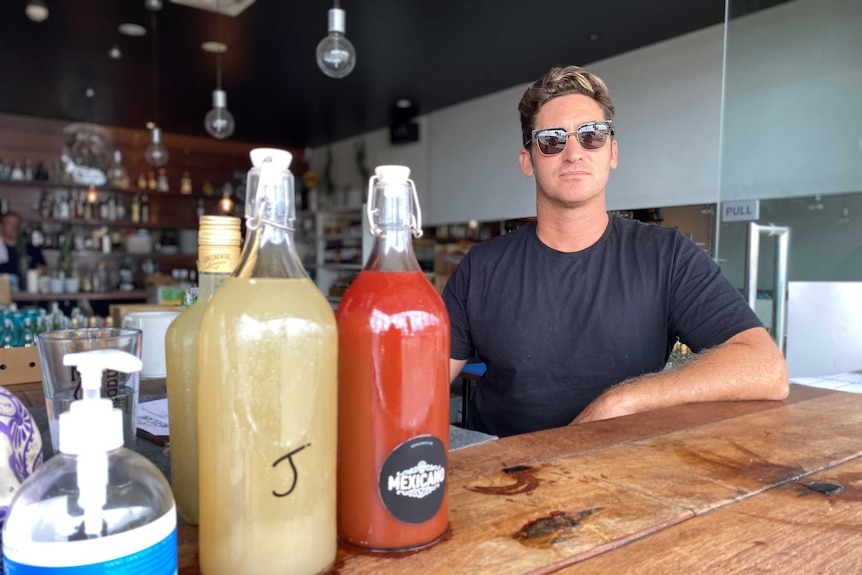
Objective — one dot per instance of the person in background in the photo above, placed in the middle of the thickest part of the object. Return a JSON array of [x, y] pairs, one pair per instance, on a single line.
[[10, 224], [576, 313]]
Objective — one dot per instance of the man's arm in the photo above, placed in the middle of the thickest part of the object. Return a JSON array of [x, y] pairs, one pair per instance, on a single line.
[[747, 366], [455, 367]]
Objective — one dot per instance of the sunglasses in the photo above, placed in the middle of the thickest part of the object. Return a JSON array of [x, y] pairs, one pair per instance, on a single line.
[[591, 136]]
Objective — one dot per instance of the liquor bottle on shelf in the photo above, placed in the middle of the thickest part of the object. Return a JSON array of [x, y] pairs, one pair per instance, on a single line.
[[136, 208], [393, 339], [118, 175], [186, 184], [28, 170], [145, 208], [218, 254], [73, 205], [162, 180], [267, 400]]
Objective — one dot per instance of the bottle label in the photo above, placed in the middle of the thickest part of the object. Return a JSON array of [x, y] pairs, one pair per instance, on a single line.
[[147, 550], [218, 259], [413, 479]]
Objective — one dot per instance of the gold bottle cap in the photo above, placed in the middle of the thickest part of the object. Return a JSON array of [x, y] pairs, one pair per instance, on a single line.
[[218, 244], [219, 230]]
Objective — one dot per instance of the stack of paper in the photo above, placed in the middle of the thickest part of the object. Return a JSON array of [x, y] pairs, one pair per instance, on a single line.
[[848, 381]]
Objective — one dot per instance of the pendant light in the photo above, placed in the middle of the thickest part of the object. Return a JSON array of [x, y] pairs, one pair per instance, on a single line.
[[156, 153], [335, 54], [218, 122]]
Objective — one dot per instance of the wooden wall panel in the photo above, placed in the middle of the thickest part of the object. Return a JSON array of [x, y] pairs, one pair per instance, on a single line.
[[206, 159]]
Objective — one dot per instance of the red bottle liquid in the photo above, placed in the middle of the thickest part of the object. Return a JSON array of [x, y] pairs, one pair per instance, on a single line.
[[393, 403]]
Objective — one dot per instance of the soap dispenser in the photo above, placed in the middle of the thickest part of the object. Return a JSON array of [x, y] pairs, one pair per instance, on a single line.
[[96, 505]]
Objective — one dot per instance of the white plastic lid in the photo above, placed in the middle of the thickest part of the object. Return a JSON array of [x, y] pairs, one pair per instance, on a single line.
[[92, 425], [278, 158], [392, 174]]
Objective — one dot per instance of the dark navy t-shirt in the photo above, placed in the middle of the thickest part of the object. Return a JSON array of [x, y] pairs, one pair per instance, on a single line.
[[11, 266], [556, 329]]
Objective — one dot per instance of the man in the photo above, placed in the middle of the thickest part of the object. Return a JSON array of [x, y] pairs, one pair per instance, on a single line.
[[9, 262], [575, 314]]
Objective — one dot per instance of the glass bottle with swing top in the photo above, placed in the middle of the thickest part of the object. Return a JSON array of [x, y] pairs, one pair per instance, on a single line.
[[267, 399], [393, 384]]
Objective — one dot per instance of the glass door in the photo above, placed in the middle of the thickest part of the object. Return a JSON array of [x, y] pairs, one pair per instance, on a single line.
[[791, 159]]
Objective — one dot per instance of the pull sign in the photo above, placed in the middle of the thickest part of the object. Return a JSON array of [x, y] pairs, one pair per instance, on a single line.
[[743, 211]]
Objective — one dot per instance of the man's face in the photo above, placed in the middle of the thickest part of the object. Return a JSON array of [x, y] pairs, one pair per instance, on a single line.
[[575, 176], [9, 228]]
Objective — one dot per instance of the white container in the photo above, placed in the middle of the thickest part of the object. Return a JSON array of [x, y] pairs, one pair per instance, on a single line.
[[32, 281], [57, 285], [139, 244], [154, 325]]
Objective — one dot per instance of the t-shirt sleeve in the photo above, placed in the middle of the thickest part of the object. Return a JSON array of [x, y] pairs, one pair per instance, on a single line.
[[36, 257], [705, 308], [455, 297]]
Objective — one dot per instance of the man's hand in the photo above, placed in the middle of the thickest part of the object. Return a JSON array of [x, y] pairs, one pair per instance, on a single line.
[[610, 404]]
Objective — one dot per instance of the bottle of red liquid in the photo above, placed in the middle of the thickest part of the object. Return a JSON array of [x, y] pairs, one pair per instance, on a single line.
[[393, 384]]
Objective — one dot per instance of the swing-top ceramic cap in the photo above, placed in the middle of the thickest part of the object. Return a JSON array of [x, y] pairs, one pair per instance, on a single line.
[[392, 174], [278, 158], [92, 425]]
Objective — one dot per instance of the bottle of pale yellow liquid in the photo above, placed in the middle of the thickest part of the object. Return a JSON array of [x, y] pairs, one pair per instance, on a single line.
[[267, 400], [218, 255]]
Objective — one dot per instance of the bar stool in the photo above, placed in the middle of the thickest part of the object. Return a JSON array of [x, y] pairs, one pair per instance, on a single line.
[[469, 375]]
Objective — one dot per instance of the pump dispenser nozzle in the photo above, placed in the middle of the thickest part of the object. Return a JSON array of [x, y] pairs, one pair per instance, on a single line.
[[92, 427], [92, 424]]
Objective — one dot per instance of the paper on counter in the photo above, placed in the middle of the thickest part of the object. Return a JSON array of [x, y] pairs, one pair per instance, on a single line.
[[848, 381], [153, 417], [460, 438]]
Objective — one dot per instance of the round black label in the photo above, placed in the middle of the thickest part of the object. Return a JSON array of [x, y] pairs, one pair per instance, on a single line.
[[413, 479]]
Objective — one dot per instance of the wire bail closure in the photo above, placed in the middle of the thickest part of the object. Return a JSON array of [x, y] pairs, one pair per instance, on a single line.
[[258, 220], [416, 213]]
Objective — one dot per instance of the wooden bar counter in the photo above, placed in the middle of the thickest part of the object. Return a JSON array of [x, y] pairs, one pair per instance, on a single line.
[[701, 488]]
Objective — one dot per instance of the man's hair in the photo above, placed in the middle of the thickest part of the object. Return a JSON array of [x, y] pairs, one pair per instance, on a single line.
[[10, 214], [561, 82]]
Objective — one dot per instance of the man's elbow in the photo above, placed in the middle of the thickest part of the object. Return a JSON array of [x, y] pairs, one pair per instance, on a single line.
[[776, 384]]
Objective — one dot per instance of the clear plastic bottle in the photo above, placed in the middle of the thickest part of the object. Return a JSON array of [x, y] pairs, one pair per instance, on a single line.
[[95, 504], [393, 384], [267, 400], [218, 254]]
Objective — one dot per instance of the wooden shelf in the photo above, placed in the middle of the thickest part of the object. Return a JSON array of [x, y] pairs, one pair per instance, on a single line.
[[59, 186], [96, 254], [99, 223], [116, 295]]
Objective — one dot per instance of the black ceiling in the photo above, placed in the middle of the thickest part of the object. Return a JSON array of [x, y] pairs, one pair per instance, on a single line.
[[437, 52]]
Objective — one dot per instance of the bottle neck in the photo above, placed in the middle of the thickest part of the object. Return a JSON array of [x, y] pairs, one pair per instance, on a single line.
[[390, 221], [392, 251], [269, 250]]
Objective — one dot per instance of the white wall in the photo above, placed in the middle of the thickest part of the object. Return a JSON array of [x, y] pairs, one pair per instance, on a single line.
[[667, 98], [474, 161], [378, 151], [793, 107]]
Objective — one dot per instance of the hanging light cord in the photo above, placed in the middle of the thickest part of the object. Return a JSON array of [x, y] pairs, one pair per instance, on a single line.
[[219, 51], [155, 70]]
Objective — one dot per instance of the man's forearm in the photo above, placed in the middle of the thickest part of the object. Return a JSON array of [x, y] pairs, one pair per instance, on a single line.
[[748, 366]]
